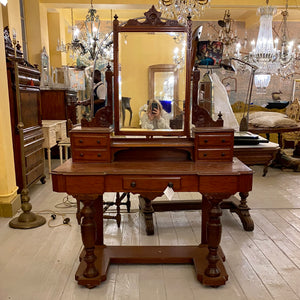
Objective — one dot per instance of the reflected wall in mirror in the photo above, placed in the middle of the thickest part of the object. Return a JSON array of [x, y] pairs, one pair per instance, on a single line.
[[163, 86], [147, 71]]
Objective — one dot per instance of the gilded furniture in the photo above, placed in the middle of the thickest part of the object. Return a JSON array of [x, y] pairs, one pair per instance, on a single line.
[[278, 130], [293, 112], [116, 159]]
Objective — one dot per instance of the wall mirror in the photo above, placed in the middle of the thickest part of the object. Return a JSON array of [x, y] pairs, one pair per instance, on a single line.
[[151, 59], [163, 87]]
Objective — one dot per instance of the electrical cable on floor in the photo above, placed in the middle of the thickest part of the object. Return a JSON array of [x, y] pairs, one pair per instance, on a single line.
[[65, 221], [66, 203]]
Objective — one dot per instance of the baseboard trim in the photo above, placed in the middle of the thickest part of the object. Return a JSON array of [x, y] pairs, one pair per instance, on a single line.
[[8, 210]]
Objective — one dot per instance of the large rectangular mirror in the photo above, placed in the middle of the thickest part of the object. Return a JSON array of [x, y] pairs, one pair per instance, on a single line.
[[151, 84]]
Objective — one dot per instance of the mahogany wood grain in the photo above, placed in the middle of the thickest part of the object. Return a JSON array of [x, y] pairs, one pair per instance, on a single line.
[[215, 180]]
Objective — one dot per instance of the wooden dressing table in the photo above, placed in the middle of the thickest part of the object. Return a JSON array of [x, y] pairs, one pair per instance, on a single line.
[[149, 162]]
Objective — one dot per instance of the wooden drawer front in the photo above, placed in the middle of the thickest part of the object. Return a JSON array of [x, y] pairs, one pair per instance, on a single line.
[[89, 141], [214, 140], [90, 155], [33, 146], [218, 184], [61, 130], [50, 136], [214, 154], [83, 184], [34, 158], [153, 184], [35, 173]]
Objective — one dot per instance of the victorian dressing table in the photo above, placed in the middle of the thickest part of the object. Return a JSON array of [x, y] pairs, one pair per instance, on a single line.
[[107, 157]]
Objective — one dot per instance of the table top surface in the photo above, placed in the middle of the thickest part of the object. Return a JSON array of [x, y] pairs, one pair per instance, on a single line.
[[153, 167], [273, 129], [269, 145]]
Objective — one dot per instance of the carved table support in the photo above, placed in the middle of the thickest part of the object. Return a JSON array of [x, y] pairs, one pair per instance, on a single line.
[[91, 234], [214, 232], [242, 210], [145, 203]]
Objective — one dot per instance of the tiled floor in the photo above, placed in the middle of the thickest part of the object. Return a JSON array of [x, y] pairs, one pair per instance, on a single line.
[[264, 264]]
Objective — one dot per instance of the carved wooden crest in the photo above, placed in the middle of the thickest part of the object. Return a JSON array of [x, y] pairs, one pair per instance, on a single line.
[[153, 18], [103, 118]]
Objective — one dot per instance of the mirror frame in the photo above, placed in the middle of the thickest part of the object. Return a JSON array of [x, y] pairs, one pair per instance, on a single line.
[[152, 22], [161, 68]]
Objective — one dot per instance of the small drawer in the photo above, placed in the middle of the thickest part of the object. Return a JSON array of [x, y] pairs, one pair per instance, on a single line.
[[100, 155], [214, 154], [33, 174], [214, 140], [90, 141], [61, 130], [34, 158], [50, 137], [153, 184]]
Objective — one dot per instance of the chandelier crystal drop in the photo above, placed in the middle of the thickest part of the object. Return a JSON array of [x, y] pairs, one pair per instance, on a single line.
[[180, 9]]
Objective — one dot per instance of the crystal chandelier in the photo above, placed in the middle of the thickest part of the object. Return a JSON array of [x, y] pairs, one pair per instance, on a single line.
[[229, 38], [180, 9], [264, 52], [287, 52], [270, 56], [179, 56], [92, 26], [88, 41]]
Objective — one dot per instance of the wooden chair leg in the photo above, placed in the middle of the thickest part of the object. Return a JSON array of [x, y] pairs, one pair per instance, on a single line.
[[118, 203]]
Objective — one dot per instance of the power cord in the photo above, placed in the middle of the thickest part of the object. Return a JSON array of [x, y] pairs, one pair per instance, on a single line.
[[66, 203], [65, 220]]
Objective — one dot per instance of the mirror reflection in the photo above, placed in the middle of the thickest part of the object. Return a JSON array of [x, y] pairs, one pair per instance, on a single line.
[[151, 80]]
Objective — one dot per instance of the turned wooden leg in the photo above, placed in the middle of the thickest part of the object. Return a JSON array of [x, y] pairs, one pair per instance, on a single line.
[[60, 154], [88, 233], [214, 231], [147, 210], [244, 214], [97, 208], [118, 204]]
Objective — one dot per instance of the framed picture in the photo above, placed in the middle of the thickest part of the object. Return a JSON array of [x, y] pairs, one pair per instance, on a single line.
[[296, 90], [230, 84], [209, 53]]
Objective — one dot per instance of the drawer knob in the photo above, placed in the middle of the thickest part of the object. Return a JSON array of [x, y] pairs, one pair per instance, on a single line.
[[223, 154], [223, 141], [170, 185], [80, 141], [133, 184], [98, 142], [204, 154], [99, 155], [205, 141], [81, 154]]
